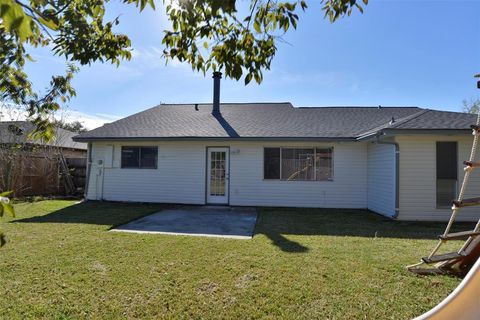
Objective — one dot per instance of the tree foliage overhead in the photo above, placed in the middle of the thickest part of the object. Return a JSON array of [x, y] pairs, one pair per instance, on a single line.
[[74, 29], [212, 34], [207, 34]]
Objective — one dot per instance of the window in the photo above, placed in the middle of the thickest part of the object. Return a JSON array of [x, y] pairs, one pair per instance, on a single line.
[[139, 157], [446, 173], [298, 164], [271, 163]]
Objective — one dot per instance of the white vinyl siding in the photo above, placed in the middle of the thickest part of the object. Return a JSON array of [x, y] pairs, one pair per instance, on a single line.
[[347, 190], [180, 176], [418, 178], [381, 178], [102, 157]]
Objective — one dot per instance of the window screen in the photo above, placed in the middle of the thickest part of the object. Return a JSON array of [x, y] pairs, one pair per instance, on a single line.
[[323, 164], [271, 163], [139, 157], [130, 157], [148, 157], [447, 169], [447, 160], [298, 164]]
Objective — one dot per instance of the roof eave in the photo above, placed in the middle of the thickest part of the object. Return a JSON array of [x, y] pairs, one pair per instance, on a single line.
[[396, 132], [325, 139], [426, 131]]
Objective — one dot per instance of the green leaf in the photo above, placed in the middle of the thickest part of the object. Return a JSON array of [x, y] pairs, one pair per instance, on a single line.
[[49, 23], [98, 11], [359, 7], [15, 20], [29, 58], [256, 26], [6, 193], [248, 78]]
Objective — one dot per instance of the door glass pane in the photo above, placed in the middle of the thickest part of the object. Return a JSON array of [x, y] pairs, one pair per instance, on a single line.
[[217, 173]]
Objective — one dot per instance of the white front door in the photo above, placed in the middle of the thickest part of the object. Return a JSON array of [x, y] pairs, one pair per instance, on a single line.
[[217, 175]]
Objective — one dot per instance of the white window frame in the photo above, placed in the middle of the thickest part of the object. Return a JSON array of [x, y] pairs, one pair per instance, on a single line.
[[299, 147], [139, 157]]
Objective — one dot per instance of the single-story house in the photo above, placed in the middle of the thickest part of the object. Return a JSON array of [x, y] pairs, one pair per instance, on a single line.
[[35, 167], [17, 133], [401, 162]]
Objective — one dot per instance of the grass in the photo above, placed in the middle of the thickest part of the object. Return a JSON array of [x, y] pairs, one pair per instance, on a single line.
[[302, 263]]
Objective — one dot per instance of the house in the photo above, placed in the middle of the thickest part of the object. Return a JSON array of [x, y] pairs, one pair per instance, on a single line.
[[32, 167], [18, 133], [401, 162]]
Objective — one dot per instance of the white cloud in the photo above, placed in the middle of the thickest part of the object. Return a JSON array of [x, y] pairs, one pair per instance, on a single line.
[[89, 121], [10, 112], [144, 59]]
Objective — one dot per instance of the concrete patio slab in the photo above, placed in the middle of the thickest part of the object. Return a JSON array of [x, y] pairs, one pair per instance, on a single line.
[[207, 221]]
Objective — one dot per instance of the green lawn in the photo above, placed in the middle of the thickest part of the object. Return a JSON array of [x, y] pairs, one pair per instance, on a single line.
[[61, 262]]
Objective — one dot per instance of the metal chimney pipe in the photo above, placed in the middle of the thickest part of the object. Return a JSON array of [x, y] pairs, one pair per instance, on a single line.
[[216, 92]]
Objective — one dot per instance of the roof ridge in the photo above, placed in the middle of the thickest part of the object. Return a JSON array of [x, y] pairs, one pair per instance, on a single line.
[[209, 103], [395, 124], [410, 118], [362, 107]]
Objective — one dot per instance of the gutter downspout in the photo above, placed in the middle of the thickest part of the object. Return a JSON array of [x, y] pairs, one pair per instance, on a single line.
[[397, 173], [89, 168]]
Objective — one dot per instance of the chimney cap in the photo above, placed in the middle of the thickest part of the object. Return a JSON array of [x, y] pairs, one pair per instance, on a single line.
[[217, 74]]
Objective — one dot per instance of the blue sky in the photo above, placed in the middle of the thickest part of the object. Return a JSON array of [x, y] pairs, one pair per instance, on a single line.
[[410, 53]]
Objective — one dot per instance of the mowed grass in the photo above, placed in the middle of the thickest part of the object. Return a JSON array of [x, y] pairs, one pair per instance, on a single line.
[[62, 262]]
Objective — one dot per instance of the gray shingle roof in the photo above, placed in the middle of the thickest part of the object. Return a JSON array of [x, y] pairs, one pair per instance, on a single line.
[[271, 120], [434, 119], [18, 131]]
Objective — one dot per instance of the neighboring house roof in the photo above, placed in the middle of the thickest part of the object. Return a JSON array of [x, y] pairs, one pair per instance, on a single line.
[[272, 120], [18, 131]]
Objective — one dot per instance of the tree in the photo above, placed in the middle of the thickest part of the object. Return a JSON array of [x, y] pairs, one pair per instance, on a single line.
[[207, 34], [210, 34], [471, 106], [74, 126], [73, 29]]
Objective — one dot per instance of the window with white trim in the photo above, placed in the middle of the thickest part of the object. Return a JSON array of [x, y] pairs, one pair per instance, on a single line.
[[298, 164], [139, 157]]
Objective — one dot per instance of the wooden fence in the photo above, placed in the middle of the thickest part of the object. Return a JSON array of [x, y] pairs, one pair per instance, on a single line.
[[30, 174]]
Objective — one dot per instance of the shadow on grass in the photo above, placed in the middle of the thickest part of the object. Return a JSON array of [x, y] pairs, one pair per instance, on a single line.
[[276, 223], [95, 212]]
